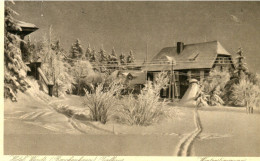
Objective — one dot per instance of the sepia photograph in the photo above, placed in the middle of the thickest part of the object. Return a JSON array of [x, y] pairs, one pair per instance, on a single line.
[[129, 78]]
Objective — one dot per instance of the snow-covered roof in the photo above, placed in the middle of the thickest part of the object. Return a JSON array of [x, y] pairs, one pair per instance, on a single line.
[[26, 28], [138, 77], [193, 56], [25, 24]]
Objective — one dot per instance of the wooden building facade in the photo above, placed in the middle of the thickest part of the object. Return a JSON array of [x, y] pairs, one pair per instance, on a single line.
[[193, 61]]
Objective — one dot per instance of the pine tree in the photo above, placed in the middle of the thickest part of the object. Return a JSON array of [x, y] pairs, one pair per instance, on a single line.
[[76, 50], [93, 54], [112, 57], [88, 52], [130, 58], [241, 69], [113, 53], [122, 59], [14, 67], [103, 55]]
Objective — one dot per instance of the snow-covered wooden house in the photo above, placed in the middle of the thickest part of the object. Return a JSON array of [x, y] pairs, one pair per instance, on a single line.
[[193, 61]]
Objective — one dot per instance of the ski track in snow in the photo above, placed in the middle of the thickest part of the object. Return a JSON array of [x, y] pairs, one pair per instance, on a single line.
[[184, 148]]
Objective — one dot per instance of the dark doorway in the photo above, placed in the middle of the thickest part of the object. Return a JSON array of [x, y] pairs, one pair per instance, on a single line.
[[184, 83]]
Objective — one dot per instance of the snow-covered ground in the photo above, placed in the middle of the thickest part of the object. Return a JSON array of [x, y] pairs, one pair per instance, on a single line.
[[228, 134], [33, 126]]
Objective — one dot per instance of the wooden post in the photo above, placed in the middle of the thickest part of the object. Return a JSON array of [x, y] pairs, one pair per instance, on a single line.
[[50, 88], [169, 90], [177, 79], [172, 81], [37, 65], [173, 85], [189, 75]]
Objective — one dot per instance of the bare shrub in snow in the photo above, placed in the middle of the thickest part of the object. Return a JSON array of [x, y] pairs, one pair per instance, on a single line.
[[146, 108], [101, 100]]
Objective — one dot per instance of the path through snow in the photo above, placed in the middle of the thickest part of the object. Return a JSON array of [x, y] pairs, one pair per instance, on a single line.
[[185, 145]]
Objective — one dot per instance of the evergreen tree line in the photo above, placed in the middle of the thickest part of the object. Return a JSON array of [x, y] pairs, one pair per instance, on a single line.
[[101, 56]]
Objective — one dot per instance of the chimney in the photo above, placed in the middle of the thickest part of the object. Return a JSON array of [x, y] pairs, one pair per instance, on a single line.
[[180, 47]]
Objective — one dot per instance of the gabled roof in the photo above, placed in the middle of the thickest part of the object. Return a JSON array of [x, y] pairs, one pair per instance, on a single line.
[[193, 56]]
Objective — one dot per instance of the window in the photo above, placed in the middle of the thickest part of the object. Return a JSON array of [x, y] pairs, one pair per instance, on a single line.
[[221, 60], [227, 60]]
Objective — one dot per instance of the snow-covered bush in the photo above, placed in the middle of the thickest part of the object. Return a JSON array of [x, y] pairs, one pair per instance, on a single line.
[[101, 100], [81, 71], [201, 99], [147, 107], [214, 86], [216, 80], [245, 93]]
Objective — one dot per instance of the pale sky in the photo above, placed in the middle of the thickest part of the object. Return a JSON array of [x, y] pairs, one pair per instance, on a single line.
[[129, 25]]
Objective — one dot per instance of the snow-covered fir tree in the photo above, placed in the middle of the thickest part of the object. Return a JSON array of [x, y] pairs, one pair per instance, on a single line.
[[76, 50], [130, 57], [14, 67], [122, 59], [241, 68], [112, 57], [103, 55], [92, 57], [88, 52]]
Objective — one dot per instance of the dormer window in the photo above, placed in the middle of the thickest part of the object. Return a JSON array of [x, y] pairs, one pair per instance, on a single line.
[[193, 56]]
